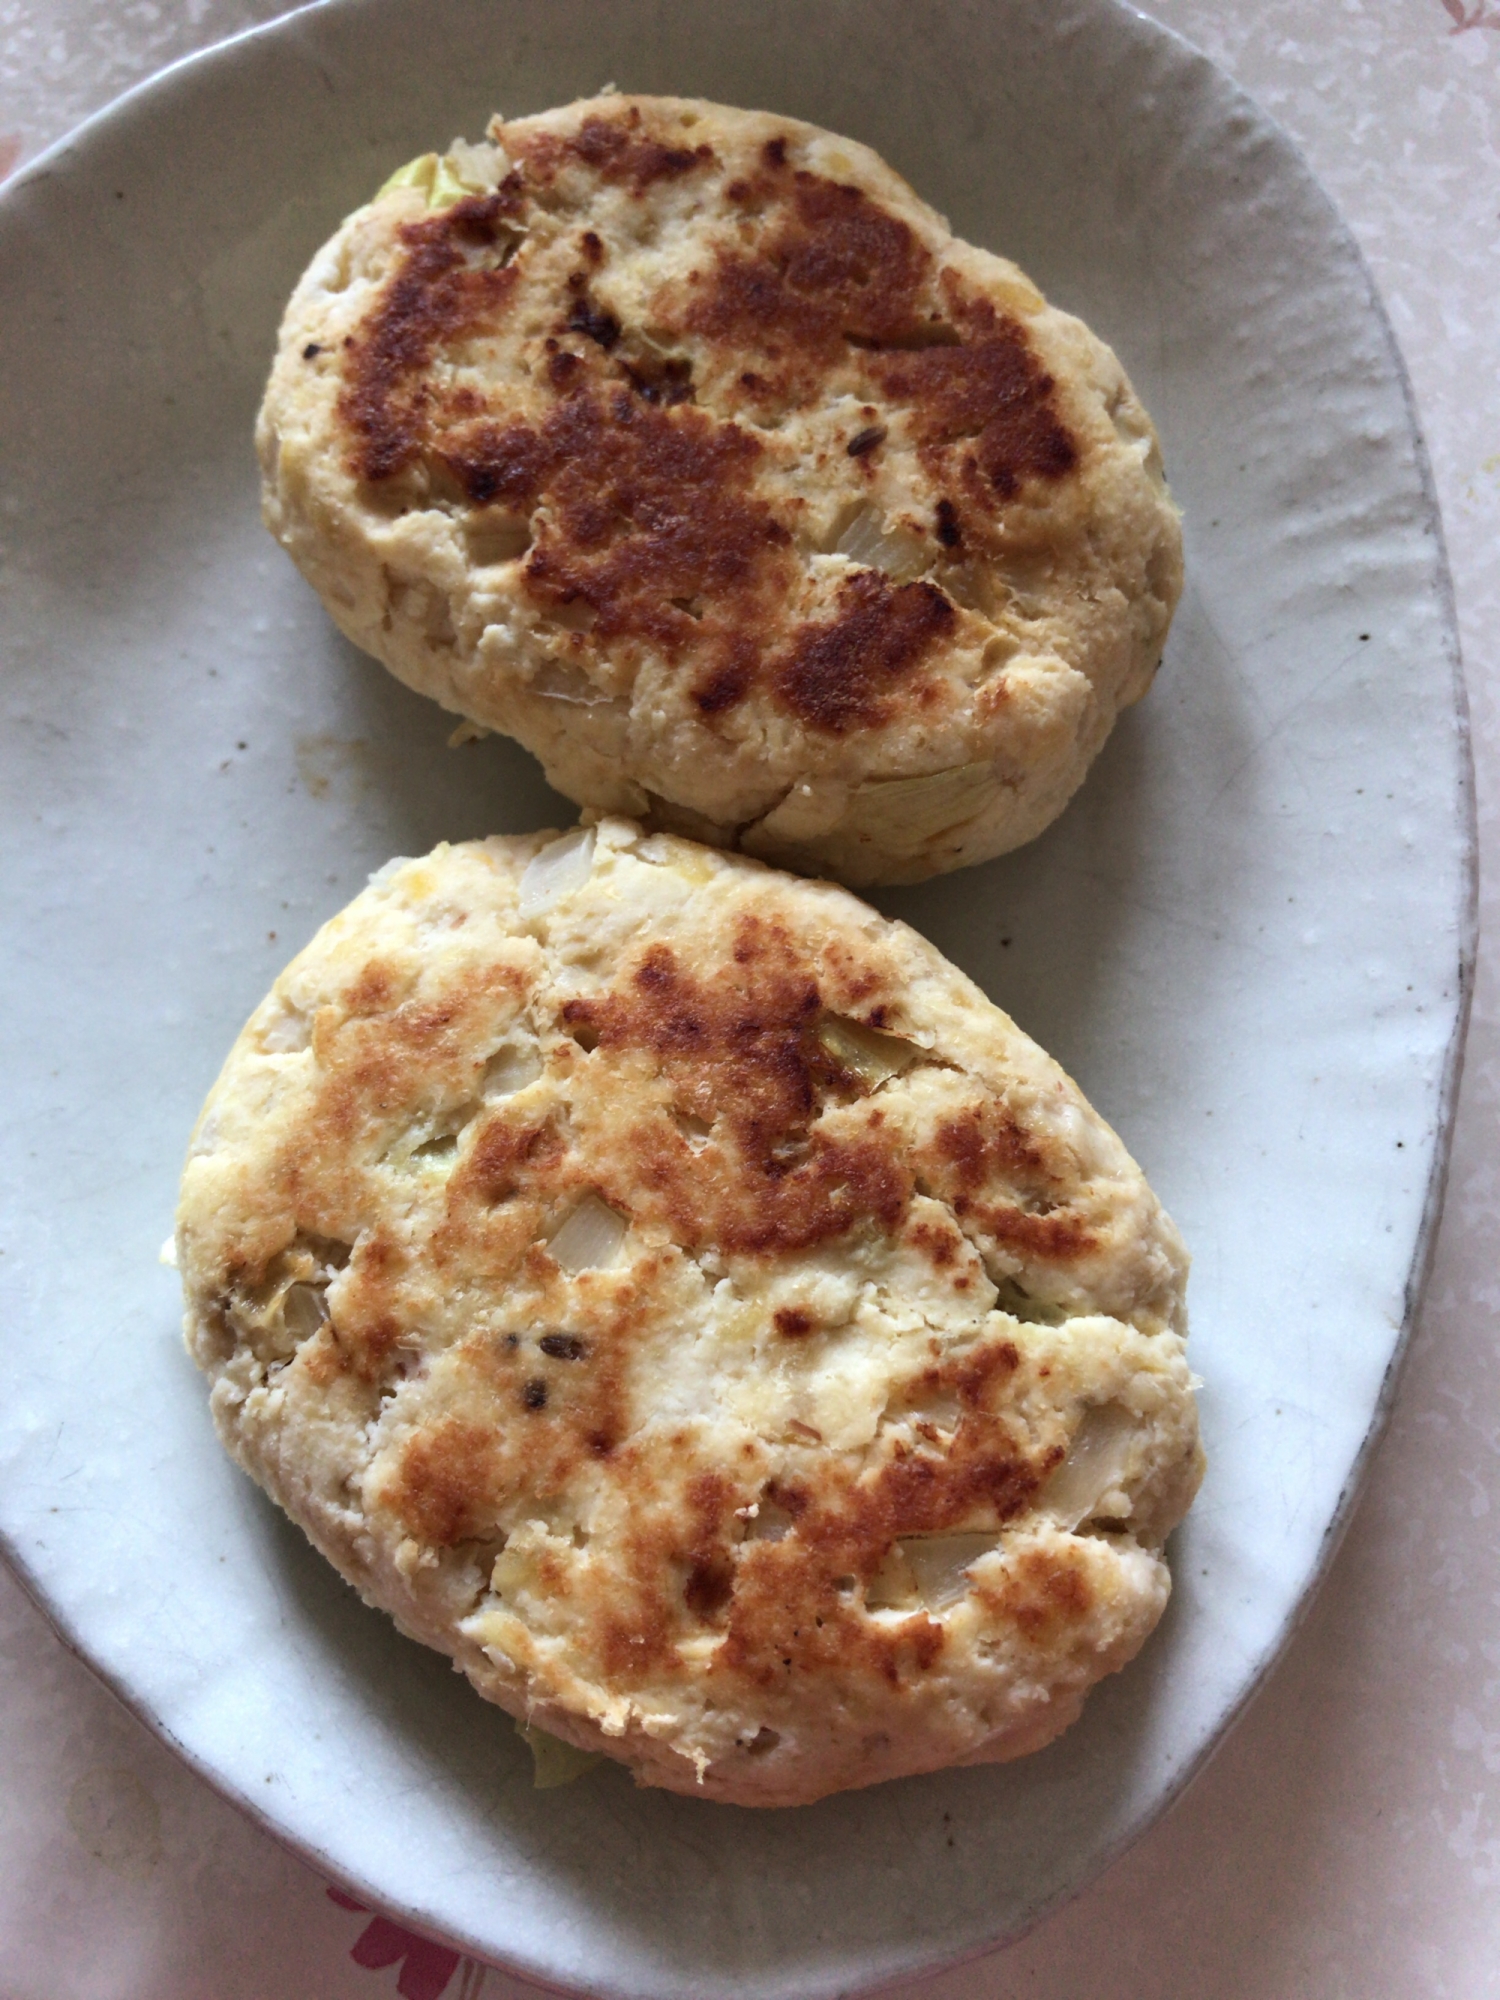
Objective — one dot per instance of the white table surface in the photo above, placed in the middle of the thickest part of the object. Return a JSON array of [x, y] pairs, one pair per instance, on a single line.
[[1345, 1844]]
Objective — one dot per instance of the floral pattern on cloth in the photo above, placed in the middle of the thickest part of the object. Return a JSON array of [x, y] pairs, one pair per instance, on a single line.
[[426, 1967], [1465, 17]]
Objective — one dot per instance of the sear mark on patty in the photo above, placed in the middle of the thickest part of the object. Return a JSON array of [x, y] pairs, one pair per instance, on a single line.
[[837, 675], [830, 264], [595, 323], [645, 497], [838, 275], [984, 406], [741, 1047], [841, 673], [642, 507], [998, 1178], [438, 292], [620, 151], [665, 379]]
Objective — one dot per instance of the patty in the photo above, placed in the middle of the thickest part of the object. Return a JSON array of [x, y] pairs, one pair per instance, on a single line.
[[678, 1294], [687, 446]]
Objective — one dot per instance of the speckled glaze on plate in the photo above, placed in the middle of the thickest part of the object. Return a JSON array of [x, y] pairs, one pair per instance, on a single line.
[[1248, 937]]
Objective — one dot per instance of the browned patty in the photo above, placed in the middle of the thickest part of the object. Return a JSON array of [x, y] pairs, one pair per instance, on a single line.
[[715, 469], [677, 1294]]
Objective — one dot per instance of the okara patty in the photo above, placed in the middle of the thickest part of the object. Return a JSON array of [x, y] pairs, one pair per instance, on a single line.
[[687, 446], [677, 1293]]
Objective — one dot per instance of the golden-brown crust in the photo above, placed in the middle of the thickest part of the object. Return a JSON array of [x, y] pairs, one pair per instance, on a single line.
[[842, 673], [441, 290], [686, 1486], [738, 1050], [834, 295], [618, 148], [837, 290]]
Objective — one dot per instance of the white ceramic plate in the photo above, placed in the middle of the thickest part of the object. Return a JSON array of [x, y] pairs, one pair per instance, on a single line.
[[1248, 937]]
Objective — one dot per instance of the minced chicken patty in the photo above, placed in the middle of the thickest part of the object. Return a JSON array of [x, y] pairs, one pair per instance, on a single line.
[[689, 447], [678, 1294]]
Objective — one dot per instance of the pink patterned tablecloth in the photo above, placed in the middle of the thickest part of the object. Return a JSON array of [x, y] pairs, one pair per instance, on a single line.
[[1345, 1845]]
